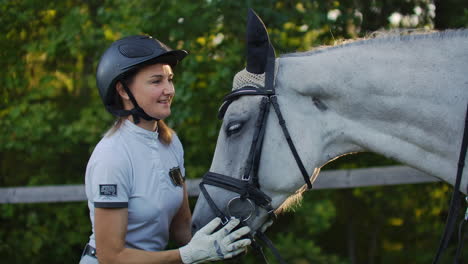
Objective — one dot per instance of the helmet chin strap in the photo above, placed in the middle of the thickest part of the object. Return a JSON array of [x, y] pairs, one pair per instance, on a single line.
[[137, 112]]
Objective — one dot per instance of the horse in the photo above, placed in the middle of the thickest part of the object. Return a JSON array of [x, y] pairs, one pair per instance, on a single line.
[[401, 96]]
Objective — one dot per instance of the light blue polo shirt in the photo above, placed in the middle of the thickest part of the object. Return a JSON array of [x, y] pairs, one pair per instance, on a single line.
[[130, 168]]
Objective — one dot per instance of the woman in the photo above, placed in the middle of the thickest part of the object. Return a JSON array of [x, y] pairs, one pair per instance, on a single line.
[[134, 179]]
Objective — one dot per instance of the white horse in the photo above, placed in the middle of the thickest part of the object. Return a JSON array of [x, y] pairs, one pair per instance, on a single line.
[[403, 97]]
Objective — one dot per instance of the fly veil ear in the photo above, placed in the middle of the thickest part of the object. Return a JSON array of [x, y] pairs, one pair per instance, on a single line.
[[260, 52], [258, 77], [258, 44]]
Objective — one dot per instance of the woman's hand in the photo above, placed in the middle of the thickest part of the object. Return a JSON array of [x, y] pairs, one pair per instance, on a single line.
[[222, 244]]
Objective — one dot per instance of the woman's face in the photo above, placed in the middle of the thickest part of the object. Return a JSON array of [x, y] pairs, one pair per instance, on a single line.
[[153, 90]]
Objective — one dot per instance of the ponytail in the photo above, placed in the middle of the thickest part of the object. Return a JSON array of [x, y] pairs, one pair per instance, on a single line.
[[165, 132]]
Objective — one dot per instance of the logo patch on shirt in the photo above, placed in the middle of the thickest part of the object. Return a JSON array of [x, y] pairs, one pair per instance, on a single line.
[[108, 189], [176, 176]]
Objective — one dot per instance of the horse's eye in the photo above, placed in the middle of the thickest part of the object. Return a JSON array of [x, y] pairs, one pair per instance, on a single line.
[[233, 127]]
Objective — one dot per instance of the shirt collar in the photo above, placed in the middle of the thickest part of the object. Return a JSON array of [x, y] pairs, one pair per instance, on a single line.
[[130, 127]]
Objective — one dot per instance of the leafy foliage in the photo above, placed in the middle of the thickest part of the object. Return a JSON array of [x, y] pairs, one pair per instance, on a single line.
[[51, 117]]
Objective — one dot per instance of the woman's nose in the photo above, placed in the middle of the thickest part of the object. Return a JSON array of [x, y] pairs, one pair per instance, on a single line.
[[169, 89]]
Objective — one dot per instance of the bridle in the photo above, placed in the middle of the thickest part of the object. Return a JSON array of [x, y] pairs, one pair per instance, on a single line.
[[248, 187]]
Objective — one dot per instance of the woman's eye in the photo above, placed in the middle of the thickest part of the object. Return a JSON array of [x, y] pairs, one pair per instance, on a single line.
[[233, 128]]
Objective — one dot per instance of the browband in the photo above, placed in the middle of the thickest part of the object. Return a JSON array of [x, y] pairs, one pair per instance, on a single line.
[[234, 95]]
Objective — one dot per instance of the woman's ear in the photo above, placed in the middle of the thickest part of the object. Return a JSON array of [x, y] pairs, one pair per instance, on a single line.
[[121, 91]]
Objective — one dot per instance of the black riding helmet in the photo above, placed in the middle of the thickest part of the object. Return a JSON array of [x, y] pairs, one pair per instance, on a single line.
[[125, 55]]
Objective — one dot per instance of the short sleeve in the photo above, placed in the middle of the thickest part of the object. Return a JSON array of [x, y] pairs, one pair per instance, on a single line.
[[108, 178]]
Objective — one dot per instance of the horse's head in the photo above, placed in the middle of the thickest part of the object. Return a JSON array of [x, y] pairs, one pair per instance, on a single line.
[[241, 182]]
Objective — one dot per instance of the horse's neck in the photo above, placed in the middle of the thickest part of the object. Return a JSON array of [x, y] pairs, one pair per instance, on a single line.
[[403, 99]]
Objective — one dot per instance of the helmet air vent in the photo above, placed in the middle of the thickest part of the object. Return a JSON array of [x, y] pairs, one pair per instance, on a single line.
[[134, 51]]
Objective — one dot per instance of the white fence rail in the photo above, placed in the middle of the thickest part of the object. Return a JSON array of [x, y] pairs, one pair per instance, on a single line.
[[332, 179]]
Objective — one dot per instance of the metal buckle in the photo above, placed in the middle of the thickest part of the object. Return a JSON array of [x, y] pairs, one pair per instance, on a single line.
[[239, 198], [224, 220]]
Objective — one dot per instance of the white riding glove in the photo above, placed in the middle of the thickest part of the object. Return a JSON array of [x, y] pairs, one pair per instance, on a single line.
[[208, 246]]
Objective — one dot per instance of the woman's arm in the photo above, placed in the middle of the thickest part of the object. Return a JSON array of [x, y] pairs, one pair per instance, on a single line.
[[181, 225], [110, 228]]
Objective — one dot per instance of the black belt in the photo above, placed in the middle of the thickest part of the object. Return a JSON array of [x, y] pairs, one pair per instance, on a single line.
[[89, 251]]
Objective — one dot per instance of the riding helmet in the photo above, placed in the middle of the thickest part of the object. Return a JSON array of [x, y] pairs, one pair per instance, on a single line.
[[125, 55]]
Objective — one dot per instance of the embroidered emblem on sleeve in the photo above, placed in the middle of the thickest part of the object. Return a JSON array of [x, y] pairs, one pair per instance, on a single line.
[[108, 189], [176, 176]]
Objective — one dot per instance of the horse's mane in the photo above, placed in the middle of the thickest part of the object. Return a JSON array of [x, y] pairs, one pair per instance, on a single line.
[[385, 37]]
